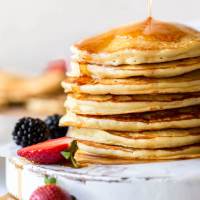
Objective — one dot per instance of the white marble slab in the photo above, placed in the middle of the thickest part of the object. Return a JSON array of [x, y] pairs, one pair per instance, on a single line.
[[178, 180], [6, 126], [2, 175], [182, 169]]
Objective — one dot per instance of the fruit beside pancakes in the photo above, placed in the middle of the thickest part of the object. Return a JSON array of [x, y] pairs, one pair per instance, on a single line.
[[133, 94]]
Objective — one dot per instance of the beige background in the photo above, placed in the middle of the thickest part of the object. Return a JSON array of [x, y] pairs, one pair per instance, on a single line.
[[35, 31]]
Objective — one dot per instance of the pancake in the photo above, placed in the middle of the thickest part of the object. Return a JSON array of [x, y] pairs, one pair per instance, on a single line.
[[187, 117], [39, 105], [19, 89], [142, 140], [122, 104], [116, 152], [3, 103], [149, 41], [158, 70], [189, 82], [83, 159]]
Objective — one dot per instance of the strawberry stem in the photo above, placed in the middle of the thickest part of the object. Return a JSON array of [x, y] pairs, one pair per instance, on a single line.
[[69, 153], [49, 180]]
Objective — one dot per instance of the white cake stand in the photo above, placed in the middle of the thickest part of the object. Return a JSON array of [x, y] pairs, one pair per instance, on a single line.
[[177, 180]]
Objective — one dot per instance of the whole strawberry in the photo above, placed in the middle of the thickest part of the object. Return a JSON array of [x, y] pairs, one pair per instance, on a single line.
[[59, 65], [50, 192]]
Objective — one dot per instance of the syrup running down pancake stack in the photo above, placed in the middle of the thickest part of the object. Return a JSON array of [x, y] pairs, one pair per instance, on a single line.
[[133, 94]]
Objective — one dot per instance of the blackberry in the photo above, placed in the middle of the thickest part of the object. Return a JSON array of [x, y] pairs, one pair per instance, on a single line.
[[30, 131], [55, 131], [73, 197]]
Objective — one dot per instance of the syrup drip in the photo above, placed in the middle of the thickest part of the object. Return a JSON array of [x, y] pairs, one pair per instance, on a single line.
[[84, 70], [149, 8], [149, 14], [127, 36]]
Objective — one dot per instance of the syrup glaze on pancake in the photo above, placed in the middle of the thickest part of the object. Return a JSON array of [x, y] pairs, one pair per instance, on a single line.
[[158, 70], [150, 30], [189, 82], [144, 42]]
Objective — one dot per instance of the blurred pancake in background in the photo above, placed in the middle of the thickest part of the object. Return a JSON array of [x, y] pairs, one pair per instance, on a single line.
[[46, 105], [32, 91]]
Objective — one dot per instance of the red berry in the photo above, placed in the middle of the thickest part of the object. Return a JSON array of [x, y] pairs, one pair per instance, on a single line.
[[57, 65], [50, 192], [48, 152]]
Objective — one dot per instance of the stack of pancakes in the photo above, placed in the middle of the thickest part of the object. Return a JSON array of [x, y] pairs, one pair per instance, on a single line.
[[133, 94]]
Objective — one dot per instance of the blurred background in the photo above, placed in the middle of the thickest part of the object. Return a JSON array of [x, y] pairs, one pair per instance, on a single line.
[[32, 32]]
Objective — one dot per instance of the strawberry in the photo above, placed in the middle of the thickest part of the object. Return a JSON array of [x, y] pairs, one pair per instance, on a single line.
[[50, 192], [48, 152], [57, 65]]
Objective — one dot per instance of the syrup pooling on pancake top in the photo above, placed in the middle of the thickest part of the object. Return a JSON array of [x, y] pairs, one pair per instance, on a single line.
[[153, 33]]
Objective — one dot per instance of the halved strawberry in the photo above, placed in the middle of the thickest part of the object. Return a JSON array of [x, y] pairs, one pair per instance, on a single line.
[[48, 152], [57, 65]]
